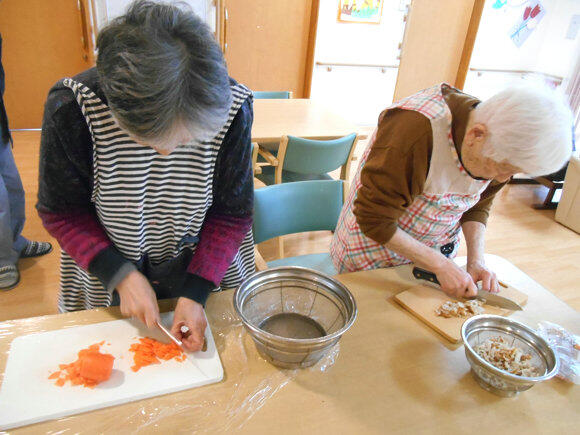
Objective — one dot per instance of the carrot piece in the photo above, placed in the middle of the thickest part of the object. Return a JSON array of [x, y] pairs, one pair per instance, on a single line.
[[150, 351], [90, 368], [96, 366]]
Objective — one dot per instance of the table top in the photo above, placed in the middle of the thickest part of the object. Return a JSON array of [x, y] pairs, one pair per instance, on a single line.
[[298, 117], [391, 372]]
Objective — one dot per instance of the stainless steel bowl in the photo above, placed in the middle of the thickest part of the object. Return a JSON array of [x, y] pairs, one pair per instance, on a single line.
[[479, 328], [294, 315]]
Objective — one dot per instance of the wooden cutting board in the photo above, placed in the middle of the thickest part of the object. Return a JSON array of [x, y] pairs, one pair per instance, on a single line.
[[422, 301], [27, 396]]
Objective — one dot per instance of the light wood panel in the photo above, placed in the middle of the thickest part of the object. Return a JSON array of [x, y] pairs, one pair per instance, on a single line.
[[267, 43], [298, 117], [42, 42], [531, 239], [433, 43]]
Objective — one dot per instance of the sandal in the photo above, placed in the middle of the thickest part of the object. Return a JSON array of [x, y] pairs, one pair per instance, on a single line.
[[36, 249], [9, 277]]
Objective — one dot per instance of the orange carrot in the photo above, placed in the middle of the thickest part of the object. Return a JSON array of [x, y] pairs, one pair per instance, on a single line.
[[149, 351], [91, 368], [96, 366]]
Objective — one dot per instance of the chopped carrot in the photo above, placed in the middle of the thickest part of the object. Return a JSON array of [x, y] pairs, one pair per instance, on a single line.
[[149, 351], [91, 368]]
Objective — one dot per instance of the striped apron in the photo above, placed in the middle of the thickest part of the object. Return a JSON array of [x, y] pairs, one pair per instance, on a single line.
[[434, 216], [149, 204]]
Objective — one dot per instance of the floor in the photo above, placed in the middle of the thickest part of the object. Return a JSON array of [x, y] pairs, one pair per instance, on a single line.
[[530, 239]]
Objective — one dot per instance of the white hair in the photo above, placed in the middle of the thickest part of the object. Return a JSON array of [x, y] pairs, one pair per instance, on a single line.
[[529, 127]]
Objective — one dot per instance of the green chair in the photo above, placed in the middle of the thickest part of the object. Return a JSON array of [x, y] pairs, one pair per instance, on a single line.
[[272, 95], [298, 207], [301, 159]]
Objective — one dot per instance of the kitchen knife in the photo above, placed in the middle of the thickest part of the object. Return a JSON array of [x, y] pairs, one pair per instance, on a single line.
[[169, 334], [490, 298]]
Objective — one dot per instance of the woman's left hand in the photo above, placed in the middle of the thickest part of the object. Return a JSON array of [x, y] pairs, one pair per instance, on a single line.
[[479, 272], [190, 314]]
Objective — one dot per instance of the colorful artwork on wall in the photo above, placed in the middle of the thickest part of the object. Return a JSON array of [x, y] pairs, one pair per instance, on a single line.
[[360, 11], [532, 13]]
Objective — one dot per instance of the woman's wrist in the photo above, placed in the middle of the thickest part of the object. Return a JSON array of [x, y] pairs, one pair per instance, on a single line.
[[440, 262]]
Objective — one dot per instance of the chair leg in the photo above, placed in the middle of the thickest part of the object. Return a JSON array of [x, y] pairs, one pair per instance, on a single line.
[[548, 203], [280, 247], [260, 262]]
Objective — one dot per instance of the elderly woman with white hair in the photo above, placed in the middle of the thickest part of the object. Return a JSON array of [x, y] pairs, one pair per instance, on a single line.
[[432, 168], [145, 171]]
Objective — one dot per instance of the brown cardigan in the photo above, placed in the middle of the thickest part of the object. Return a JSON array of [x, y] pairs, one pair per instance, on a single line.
[[398, 163]]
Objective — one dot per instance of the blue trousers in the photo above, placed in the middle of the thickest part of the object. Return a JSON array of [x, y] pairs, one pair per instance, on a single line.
[[11, 208]]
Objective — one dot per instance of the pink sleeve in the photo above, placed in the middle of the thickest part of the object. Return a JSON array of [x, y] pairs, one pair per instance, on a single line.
[[80, 235], [220, 240]]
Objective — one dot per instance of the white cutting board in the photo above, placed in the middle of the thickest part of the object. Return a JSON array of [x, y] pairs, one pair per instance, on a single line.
[[27, 396]]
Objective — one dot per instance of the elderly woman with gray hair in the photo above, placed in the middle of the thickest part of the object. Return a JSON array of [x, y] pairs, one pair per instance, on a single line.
[[145, 171], [431, 170]]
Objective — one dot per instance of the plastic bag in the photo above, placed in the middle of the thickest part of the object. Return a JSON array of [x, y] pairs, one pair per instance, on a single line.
[[248, 384], [567, 346]]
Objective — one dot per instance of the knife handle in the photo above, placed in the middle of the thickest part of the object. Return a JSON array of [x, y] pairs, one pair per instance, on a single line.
[[425, 275]]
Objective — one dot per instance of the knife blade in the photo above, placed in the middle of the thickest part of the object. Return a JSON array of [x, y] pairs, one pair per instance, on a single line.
[[490, 298], [169, 334]]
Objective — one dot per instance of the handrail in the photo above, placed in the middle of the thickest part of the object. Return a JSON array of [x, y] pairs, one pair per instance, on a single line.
[[364, 65], [517, 71]]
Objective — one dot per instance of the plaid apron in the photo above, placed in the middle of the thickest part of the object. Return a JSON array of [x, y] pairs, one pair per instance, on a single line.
[[434, 216]]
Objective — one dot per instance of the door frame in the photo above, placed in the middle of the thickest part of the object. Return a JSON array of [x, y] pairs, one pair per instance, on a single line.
[[469, 43]]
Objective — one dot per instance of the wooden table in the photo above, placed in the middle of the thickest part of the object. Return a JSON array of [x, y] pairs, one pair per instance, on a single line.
[[297, 117], [392, 374]]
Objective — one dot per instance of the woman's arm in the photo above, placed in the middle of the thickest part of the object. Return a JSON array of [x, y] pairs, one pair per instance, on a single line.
[[230, 217], [474, 233], [64, 191]]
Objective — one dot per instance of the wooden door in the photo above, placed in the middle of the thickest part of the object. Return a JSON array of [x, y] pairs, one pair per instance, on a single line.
[[269, 44], [43, 41]]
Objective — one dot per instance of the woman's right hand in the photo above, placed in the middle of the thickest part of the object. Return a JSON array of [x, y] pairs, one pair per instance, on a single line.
[[454, 280], [138, 299]]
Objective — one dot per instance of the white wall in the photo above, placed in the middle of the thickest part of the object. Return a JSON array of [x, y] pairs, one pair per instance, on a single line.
[[106, 10], [546, 50], [359, 43], [357, 93]]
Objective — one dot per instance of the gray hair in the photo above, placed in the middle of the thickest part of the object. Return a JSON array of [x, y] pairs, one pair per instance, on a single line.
[[529, 127], [158, 66]]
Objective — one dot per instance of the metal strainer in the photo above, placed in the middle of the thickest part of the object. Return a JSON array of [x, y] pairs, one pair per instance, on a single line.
[[482, 327], [295, 315]]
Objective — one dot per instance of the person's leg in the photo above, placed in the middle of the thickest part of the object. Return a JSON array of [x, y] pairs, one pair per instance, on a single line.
[[9, 276], [15, 192], [8, 254]]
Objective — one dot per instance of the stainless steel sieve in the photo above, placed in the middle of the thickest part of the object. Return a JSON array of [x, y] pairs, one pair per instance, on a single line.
[[295, 315], [484, 326]]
